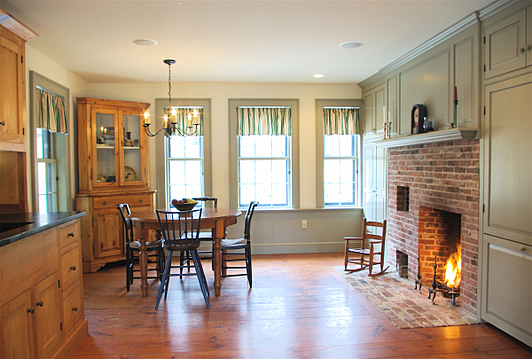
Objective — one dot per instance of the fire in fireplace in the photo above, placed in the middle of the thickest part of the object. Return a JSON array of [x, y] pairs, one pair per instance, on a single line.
[[450, 286]]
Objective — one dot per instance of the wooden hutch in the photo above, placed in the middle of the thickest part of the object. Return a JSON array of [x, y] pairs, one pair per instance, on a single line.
[[113, 169]]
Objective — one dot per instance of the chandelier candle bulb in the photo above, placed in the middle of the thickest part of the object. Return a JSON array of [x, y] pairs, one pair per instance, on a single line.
[[189, 120], [146, 118]]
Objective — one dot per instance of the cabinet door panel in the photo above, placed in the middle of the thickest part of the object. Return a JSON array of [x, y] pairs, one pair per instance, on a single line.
[[11, 119], [107, 225], [47, 314], [508, 287], [380, 108], [369, 123], [72, 309], [504, 42], [508, 190], [16, 327], [529, 36]]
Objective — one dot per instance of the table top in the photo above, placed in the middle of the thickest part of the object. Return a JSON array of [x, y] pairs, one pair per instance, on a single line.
[[207, 214]]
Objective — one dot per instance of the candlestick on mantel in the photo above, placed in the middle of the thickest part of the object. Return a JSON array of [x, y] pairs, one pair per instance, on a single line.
[[455, 119]]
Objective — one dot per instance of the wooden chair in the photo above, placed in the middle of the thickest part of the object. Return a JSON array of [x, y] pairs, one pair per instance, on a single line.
[[206, 236], [366, 256], [155, 249], [181, 234], [241, 248]]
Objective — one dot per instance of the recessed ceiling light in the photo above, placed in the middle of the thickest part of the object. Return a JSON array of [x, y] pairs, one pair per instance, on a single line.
[[145, 42], [350, 44], [319, 75]]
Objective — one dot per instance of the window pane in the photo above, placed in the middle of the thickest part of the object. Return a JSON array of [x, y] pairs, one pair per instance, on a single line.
[[185, 146], [339, 177], [185, 179], [266, 181], [263, 146]]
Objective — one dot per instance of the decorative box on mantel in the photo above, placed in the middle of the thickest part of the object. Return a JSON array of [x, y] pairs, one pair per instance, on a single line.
[[454, 134]]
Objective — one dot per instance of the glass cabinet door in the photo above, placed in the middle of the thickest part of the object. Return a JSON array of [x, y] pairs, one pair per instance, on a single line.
[[105, 157], [132, 173]]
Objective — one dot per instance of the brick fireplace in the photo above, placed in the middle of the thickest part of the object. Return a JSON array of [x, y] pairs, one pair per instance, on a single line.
[[433, 205]]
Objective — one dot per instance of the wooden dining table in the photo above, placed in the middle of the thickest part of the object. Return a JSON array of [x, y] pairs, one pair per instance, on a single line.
[[216, 219]]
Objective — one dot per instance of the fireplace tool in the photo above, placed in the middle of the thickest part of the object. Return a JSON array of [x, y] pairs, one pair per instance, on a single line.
[[446, 291], [418, 280]]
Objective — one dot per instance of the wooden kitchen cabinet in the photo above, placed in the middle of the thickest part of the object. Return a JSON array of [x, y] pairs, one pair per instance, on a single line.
[[113, 169], [32, 305]]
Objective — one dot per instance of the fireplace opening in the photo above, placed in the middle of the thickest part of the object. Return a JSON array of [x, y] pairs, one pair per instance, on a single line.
[[439, 238], [402, 264]]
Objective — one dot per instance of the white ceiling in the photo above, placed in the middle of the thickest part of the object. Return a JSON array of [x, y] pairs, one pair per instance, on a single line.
[[232, 41]]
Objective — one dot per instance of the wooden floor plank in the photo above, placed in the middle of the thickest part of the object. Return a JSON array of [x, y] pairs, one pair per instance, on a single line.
[[299, 307]]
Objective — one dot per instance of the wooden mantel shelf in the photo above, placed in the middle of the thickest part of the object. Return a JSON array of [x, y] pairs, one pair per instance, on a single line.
[[429, 137]]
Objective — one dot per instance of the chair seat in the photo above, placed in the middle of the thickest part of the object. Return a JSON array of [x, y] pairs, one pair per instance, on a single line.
[[234, 243], [205, 236], [136, 244], [364, 251]]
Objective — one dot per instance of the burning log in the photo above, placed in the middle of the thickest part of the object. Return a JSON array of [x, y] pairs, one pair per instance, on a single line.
[[450, 287]]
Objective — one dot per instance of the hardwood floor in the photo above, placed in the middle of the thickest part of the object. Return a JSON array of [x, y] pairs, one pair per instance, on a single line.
[[299, 307]]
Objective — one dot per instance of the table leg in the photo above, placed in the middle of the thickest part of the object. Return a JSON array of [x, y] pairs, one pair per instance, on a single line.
[[143, 261], [217, 256]]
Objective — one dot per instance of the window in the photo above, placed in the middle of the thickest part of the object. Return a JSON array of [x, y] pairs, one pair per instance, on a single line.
[[264, 154], [185, 160], [50, 145], [338, 150], [46, 172]]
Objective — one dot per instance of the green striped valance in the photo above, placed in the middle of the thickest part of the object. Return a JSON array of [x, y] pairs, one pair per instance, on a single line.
[[341, 121], [51, 111], [271, 121], [182, 117]]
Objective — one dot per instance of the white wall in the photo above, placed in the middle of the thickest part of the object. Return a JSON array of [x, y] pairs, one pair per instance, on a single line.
[[220, 93], [276, 232]]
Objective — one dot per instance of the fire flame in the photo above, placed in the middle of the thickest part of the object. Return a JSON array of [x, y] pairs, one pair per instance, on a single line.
[[453, 269]]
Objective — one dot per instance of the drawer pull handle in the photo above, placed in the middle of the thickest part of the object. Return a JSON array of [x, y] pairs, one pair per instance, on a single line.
[[522, 248], [141, 200], [73, 268], [71, 234], [40, 304], [75, 309], [104, 203], [32, 310]]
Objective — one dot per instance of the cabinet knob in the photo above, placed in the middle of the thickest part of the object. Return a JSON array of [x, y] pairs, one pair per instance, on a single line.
[[40, 304], [141, 200], [71, 234], [529, 48], [75, 309], [3, 123], [73, 268], [32, 310], [522, 248], [522, 51], [104, 203]]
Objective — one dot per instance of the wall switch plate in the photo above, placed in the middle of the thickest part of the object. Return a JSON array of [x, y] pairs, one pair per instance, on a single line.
[[304, 223]]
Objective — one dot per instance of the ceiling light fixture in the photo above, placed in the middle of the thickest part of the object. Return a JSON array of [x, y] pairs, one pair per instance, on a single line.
[[185, 126], [350, 44], [145, 42], [319, 75]]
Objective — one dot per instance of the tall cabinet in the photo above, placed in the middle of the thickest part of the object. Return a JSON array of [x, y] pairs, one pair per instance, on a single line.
[[13, 130], [113, 169], [507, 193]]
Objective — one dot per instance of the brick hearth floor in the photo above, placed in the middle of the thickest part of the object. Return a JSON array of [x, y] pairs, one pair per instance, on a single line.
[[405, 307]]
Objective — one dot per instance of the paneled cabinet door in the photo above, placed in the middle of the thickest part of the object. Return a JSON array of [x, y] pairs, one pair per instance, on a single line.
[[11, 92], [505, 45], [369, 122], [17, 328], [107, 227], [508, 167], [47, 303]]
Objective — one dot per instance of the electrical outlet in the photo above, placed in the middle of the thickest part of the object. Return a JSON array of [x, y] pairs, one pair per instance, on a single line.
[[304, 224]]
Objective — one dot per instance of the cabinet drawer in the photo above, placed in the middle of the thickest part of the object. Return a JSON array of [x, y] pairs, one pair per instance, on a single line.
[[70, 268], [111, 202], [68, 234], [72, 308]]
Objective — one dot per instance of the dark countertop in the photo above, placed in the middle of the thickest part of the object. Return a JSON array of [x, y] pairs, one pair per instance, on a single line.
[[31, 223]]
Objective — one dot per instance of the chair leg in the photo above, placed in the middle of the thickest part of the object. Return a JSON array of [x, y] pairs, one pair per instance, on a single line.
[[201, 276], [164, 282], [248, 267], [346, 254]]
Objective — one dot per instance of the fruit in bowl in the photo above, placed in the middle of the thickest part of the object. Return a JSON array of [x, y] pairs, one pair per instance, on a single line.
[[185, 204]]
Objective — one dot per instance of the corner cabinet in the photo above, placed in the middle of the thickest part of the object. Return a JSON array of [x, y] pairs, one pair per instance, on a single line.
[[113, 168]]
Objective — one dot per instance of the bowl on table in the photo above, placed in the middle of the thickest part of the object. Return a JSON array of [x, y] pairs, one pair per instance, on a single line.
[[184, 206]]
